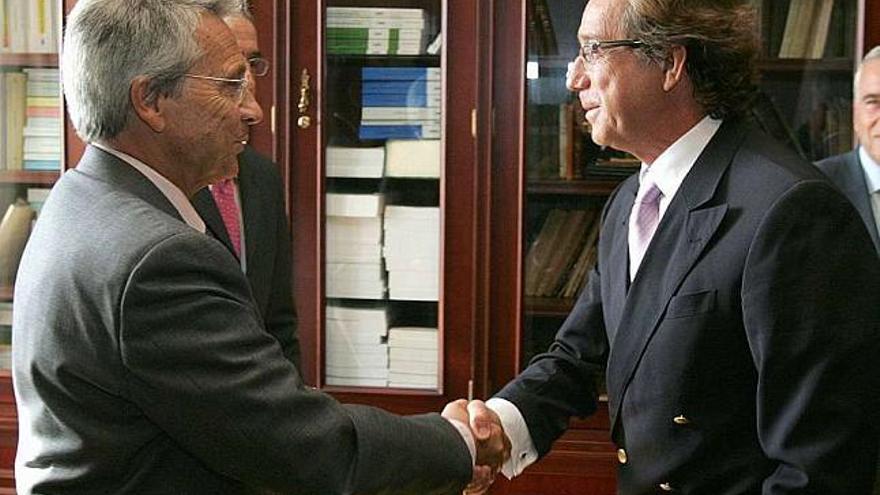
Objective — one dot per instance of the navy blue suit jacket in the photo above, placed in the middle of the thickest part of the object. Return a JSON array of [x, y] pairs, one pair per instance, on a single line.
[[845, 171], [743, 357]]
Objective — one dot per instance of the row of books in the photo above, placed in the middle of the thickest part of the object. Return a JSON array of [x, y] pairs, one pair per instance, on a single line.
[[5, 334], [376, 31], [562, 253], [30, 120], [559, 146], [806, 29], [362, 350], [29, 26], [419, 158], [540, 34], [400, 103]]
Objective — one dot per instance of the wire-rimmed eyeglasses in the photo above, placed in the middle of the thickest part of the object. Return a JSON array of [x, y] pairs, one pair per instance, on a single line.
[[259, 66], [236, 88], [591, 52]]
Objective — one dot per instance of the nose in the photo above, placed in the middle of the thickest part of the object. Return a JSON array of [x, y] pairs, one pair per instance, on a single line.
[[251, 113], [576, 78]]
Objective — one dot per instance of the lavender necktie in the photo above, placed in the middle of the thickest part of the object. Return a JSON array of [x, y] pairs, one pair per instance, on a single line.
[[224, 196], [642, 223]]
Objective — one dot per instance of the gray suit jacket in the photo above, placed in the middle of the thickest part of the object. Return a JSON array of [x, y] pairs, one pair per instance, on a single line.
[[845, 171], [141, 366], [267, 244], [743, 357]]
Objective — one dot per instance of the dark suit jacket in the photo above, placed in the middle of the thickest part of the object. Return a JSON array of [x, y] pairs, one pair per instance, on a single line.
[[753, 320], [141, 366], [267, 244], [845, 171]]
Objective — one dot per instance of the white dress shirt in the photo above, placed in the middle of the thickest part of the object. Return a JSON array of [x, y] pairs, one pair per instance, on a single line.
[[668, 172], [872, 179]]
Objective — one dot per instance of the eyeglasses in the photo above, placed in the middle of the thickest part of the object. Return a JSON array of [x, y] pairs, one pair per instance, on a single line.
[[592, 50], [590, 53], [235, 88], [259, 66]]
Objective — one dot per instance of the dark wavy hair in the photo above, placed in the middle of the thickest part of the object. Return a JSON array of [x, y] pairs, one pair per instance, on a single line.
[[721, 42]]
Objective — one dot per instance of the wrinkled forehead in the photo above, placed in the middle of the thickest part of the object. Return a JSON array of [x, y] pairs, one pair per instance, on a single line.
[[602, 20], [219, 48]]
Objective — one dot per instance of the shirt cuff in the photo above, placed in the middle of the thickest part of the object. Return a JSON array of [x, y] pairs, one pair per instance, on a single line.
[[522, 450], [468, 437]]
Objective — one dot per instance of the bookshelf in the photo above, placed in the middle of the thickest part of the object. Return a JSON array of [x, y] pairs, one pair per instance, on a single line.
[[31, 153]]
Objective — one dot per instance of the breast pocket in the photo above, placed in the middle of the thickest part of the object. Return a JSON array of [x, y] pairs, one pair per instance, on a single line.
[[692, 304]]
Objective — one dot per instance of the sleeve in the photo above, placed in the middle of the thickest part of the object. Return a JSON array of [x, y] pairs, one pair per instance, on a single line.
[[810, 289], [562, 382], [200, 366]]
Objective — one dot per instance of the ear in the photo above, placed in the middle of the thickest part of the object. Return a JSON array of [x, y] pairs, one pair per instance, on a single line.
[[675, 66], [147, 111]]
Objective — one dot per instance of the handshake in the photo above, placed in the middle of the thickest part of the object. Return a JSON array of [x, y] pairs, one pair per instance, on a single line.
[[493, 446]]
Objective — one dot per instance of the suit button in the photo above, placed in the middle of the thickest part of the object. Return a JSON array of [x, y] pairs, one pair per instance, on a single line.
[[666, 487], [681, 420], [621, 456]]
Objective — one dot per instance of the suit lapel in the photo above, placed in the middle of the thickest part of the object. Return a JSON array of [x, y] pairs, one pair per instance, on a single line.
[[617, 267], [204, 204], [856, 190], [686, 228], [103, 166]]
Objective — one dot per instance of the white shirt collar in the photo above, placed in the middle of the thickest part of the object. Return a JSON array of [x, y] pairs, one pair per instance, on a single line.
[[872, 170], [670, 168], [179, 200]]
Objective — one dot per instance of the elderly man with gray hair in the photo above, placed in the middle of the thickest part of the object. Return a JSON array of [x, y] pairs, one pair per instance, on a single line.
[[857, 173], [140, 362]]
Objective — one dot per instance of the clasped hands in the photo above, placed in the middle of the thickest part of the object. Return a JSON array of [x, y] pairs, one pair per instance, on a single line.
[[493, 446]]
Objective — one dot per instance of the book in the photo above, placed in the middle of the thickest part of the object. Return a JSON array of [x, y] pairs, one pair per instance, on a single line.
[[355, 162], [14, 231], [399, 131], [354, 205], [413, 158], [400, 73], [541, 250]]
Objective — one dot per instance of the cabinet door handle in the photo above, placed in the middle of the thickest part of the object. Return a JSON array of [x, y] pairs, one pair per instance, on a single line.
[[304, 121]]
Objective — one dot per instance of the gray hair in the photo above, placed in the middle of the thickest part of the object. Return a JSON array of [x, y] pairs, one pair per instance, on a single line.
[[242, 9], [108, 43], [873, 53]]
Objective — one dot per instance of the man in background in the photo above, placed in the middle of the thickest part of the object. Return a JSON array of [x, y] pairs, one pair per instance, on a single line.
[[857, 173], [734, 303], [247, 214], [140, 362]]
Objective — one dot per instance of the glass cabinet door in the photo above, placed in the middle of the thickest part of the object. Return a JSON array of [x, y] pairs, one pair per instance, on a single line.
[[383, 167], [567, 177], [30, 133]]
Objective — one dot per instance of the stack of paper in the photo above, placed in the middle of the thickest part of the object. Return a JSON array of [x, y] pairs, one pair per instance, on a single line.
[[354, 246], [355, 162], [418, 158], [357, 354], [413, 357], [412, 252]]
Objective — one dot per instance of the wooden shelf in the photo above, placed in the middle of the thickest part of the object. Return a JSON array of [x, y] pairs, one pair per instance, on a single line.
[[548, 306], [29, 59], [29, 177], [800, 65], [585, 187]]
